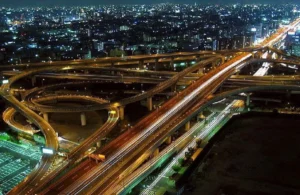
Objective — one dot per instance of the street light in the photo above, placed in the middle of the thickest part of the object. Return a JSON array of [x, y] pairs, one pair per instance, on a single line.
[[106, 53]]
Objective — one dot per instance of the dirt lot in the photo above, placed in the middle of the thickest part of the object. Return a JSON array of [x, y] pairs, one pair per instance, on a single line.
[[257, 154]]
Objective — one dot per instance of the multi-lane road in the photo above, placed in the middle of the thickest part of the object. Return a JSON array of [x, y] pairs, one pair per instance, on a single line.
[[120, 154], [125, 147]]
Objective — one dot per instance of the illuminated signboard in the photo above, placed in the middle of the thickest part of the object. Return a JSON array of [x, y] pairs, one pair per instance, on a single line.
[[47, 151], [291, 33]]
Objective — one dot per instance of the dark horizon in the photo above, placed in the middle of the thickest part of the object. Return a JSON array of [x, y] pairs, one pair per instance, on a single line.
[[60, 3]]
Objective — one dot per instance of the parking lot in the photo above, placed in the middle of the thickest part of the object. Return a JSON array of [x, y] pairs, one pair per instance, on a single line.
[[16, 162]]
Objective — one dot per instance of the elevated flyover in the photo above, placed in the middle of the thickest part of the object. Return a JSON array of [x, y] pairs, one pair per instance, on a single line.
[[167, 112], [90, 179], [126, 183], [160, 87]]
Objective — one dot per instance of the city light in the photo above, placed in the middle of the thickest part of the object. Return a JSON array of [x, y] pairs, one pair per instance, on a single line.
[[97, 97], [5, 81], [47, 151]]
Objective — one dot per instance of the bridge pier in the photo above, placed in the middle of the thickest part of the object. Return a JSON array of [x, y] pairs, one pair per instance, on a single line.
[[112, 66], [201, 71], [46, 116], [201, 116], [33, 81], [252, 68], [83, 119], [168, 140], [149, 103], [98, 144], [259, 54], [213, 65], [288, 95], [172, 62], [141, 64], [187, 126], [156, 64], [269, 56], [156, 152], [121, 112], [248, 100], [222, 60], [173, 88]]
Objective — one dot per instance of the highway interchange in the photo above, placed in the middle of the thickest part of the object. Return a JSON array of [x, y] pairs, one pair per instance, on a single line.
[[125, 150]]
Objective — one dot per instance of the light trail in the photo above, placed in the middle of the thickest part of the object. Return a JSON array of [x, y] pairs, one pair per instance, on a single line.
[[207, 129], [261, 72], [136, 141]]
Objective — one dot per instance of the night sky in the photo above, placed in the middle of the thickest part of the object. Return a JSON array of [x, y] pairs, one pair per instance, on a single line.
[[20, 3]]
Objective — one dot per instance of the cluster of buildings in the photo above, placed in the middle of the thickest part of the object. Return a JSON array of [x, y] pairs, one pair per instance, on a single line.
[[67, 33], [293, 42]]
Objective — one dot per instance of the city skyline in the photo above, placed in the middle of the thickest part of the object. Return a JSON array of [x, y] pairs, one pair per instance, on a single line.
[[136, 98], [33, 3]]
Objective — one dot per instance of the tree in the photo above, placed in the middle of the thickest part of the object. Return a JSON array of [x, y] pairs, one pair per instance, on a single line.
[[198, 143], [112, 53], [188, 155], [176, 168], [191, 149], [180, 161], [116, 53]]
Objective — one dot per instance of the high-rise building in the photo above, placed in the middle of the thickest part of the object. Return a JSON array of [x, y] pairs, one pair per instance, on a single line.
[[293, 42], [224, 44], [295, 49], [239, 41]]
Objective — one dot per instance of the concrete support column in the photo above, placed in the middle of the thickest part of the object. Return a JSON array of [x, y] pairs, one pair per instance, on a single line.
[[156, 64], [223, 60], [201, 71], [188, 126], [113, 65], [46, 116], [259, 54], [248, 100], [98, 144], [83, 119], [141, 64], [156, 152], [169, 140], [288, 95], [172, 62], [173, 88], [201, 116], [214, 65], [149, 103], [121, 112], [33, 80], [269, 56]]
